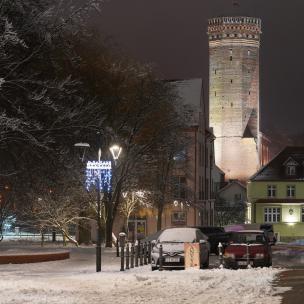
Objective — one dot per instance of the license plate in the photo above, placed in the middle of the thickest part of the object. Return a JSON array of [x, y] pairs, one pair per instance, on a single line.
[[172, 260], [242, 263]]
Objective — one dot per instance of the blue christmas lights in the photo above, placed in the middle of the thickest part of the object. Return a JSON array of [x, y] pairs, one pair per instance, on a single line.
[[99, 172]]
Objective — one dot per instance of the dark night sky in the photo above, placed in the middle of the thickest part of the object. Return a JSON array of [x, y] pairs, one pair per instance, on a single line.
[[171, 34]]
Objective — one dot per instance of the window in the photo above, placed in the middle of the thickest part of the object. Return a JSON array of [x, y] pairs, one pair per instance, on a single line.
[[272, 215], [179, 187], [271, 190], [291, 191], [179, 218], [215, 93], [291, 170], [237, 197], [231, 80], [302, 214], [215, 71]]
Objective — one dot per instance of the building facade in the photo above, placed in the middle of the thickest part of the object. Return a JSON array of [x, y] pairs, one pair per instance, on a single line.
[[192, 201], [276, 194], [234, 44]]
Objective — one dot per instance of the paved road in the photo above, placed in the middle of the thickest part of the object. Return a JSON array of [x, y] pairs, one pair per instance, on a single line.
[[293, 279]]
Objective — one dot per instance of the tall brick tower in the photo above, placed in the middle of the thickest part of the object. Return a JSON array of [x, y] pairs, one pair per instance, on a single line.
[[234, 44]]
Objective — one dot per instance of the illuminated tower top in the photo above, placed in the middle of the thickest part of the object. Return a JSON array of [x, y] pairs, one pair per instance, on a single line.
[[247, 29]]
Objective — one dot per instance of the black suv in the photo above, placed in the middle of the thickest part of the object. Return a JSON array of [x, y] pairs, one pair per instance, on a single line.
[[215, 235]]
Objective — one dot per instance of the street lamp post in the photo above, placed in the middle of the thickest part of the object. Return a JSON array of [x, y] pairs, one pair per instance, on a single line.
[[99, 174]]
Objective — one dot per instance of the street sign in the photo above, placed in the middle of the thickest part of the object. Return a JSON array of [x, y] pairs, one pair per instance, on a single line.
[[192, 255]]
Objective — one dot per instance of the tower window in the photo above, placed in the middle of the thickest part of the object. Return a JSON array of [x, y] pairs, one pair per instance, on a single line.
[[230, 58], [231, 104], [215, 71], [231, 80], [249, 93]]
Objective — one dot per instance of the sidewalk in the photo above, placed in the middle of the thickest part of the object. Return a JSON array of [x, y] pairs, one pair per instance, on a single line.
[[295, 279]]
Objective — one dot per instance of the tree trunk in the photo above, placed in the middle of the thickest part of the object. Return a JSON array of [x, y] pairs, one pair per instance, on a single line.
[[109, 229], [159, 217], [67, 236]]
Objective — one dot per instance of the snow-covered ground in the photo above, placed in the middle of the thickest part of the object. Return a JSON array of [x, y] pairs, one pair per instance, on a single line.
[[75, 281]]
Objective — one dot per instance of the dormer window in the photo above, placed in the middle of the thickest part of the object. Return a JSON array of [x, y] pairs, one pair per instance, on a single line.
[[290, 167], [291, 170]]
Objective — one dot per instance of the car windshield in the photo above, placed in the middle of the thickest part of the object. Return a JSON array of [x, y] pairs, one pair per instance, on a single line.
[[251, 238], [178, 235]]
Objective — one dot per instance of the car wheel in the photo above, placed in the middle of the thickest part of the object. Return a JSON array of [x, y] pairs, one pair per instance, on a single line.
[[206, 264], [154, 268]]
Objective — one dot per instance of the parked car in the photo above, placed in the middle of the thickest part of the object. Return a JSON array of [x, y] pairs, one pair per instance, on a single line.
[[215, 236], [248, 247], [172, 241], [152, 237]]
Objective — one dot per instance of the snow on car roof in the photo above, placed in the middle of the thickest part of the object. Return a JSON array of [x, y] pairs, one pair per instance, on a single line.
[[250, 231]]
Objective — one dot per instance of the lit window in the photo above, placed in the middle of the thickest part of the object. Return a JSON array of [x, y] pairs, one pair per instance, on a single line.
[[291, 191], [272, 215], [271, 190]]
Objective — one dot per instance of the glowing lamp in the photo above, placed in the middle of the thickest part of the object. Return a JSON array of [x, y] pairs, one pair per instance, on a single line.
[[115, 151]]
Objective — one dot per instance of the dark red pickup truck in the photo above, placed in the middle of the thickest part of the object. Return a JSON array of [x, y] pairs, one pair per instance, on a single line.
[[248, 247]]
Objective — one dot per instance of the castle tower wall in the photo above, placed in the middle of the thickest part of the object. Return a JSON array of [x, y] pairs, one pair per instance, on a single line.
[[234, 44]]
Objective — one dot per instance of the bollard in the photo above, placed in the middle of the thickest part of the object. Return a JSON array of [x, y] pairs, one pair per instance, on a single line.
[[145, 254], [132, 255], [127, 256], [220, 250], [136, 255], [161, 258], [122, 258], [117, 248], [140, 254], [149, 252]]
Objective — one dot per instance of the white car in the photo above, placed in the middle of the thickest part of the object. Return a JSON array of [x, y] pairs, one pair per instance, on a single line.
[[172, 241]]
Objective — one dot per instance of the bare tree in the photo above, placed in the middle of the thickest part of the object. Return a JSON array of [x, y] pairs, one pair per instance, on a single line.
[[59, 209], [131, 202]]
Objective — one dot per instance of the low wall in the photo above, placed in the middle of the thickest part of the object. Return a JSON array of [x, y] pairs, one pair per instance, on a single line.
[[21, 258]]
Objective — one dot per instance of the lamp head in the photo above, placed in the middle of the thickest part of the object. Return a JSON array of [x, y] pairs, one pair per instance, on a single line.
[[115, 151]]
